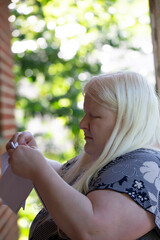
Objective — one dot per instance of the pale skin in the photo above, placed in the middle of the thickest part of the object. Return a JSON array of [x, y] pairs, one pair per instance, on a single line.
[[102, 214]]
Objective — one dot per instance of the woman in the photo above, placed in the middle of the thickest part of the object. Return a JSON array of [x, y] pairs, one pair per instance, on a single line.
[[111, 191]]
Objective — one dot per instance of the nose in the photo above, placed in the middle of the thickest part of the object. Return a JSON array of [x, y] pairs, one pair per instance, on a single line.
[[84, 123]]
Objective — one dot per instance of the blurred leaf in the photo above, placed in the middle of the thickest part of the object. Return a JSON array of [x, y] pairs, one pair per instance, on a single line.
[[56, 45]]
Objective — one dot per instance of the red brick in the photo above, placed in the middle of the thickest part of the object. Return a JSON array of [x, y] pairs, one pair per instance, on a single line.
[[8, 220]]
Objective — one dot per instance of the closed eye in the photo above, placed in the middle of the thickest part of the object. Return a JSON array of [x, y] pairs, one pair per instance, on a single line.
[[94, 116]]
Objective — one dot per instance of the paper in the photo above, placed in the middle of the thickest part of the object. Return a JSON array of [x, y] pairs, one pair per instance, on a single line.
[[14, 190]]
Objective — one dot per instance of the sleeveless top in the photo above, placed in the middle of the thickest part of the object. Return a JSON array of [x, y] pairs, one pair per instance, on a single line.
[[136, 173]]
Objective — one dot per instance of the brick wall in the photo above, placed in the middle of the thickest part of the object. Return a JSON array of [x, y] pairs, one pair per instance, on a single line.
[[7, 91], [8, 220]]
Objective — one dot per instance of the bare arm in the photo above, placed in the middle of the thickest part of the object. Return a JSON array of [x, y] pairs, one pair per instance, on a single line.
[[54, 164], [81, 217], [104, 215]]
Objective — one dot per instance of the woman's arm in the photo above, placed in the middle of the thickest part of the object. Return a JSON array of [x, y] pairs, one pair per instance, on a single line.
[[54, 164], [101, 215]]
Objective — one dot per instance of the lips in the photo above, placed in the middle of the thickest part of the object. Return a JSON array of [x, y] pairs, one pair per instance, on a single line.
[[87, 137]]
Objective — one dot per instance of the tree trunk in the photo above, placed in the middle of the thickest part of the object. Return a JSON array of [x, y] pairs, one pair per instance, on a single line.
[[155, 24]]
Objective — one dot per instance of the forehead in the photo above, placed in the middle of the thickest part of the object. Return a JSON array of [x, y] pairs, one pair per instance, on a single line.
[[91, 104]]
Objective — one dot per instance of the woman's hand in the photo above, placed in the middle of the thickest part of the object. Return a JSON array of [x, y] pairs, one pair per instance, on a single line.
[[26, 161], [22, 138]]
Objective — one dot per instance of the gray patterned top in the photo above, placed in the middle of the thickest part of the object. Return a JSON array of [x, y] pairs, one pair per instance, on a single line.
[[136, 173]]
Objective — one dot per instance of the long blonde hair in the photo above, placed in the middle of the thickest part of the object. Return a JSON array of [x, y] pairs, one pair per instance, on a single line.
[[138, 120], [137, 125]]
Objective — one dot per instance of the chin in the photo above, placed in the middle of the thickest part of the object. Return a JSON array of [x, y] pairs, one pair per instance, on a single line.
[[87, 150]]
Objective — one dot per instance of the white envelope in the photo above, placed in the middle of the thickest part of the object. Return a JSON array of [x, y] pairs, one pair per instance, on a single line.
[[14, 190]]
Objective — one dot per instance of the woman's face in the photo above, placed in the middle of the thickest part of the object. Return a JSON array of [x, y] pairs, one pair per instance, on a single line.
[[97, 124]]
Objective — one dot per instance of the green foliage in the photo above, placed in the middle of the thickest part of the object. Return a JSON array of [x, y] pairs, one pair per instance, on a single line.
[[32, 207], [49, 25], [82, 28], [56, 45]]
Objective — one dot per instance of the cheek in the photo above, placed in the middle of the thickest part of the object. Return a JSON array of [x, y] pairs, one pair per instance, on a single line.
[[98, 133], [102, 127], [102, 131], [94, 127]]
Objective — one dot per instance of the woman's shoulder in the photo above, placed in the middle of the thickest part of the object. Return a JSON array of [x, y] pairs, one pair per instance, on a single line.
[[134, 163], [140, 154], [136, 157], [136, 174]]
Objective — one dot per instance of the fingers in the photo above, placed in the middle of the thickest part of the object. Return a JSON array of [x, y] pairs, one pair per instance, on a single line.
[[10, 152], [12, 159], [24, 137], [13, 139], [34, 147], [21, 138]]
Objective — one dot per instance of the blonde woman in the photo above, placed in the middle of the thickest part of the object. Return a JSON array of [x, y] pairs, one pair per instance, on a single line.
[[112, 190]]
